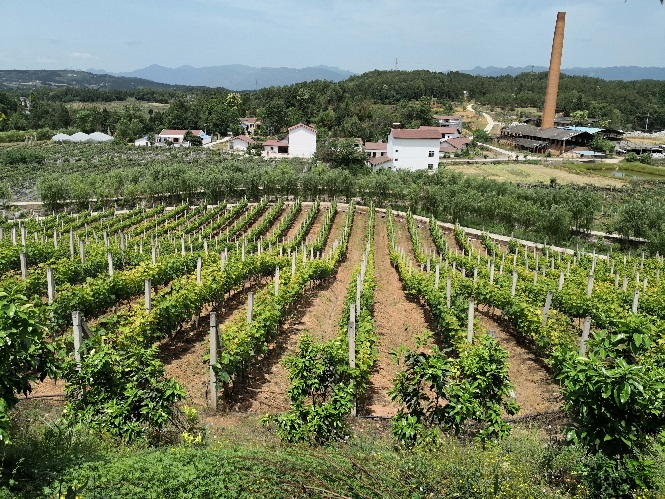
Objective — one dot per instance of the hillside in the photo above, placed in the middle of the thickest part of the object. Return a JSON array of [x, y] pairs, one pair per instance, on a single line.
[[15, 79]]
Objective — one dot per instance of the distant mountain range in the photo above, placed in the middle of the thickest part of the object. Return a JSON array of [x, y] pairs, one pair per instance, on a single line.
[[13, 79], [625, 73], [233, 76]]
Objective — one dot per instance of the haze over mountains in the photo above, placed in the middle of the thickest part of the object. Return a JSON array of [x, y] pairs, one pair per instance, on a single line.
[[233, 76], [625, 73]]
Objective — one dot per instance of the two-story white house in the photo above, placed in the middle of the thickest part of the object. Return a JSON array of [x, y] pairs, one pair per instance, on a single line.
[[416, 149], [302, 141]]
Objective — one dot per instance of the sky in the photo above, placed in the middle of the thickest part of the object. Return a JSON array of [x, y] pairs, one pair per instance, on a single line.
[[356, 35]]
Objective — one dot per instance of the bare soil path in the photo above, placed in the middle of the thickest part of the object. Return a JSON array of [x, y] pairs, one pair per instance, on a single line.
[[535, 391], [318, 313], [397, 320]]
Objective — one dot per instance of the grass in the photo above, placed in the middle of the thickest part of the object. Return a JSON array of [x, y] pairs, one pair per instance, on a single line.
[[640, 169], [243, 459], [533, 174]]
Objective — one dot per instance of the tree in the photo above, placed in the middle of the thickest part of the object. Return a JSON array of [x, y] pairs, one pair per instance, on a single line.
[[25, 355], [580, 118], [194, 140], [342, 153], [481, 136], [601, 144]]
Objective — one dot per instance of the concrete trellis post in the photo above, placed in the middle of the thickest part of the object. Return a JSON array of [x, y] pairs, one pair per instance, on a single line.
[[589, 285], [147, 286], [546, 309], [82, 250], [250, 307], [469, 328], [585, 336], [636, 299], [214, 347], [198, 270], [351, 337], [78, 337], [50, 284], [514, 286], [448, 291], [71, 243], [109, 257], [624, 287], [277, 281], [562, 279], [24, 265], [436, 276]]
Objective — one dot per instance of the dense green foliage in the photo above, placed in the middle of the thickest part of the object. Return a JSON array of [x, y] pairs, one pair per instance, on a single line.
[[363, 106], [25, 355], [536, 212]]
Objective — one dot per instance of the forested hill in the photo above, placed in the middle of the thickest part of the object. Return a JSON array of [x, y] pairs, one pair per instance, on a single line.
[[27, 79], [362, 106]]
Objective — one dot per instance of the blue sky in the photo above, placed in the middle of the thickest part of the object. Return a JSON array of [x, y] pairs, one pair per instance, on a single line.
[[358, 35]]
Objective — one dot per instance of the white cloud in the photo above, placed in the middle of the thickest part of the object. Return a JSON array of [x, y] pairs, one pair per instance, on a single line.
[[81, 55], [45, 59]]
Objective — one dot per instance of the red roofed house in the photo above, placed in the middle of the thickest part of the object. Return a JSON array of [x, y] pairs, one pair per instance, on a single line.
[[416, 149], [240, 143], [376, 149], [177, 137], [250, 125]]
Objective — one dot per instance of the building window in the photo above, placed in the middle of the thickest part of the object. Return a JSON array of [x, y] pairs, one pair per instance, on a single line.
[[396, 159], [431, 154], [430, 166]]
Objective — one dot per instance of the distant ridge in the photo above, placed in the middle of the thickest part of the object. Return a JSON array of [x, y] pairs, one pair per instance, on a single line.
[[233, 76], [54, 78], [624, 73]]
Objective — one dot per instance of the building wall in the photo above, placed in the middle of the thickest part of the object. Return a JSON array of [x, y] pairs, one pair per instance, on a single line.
[[302, 143], [239, 145], [413, 154]]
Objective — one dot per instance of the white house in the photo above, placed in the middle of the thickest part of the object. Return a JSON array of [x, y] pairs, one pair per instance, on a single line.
[[240, 143], [376, 149], [414, 149], [302, 141], [250, 125], [276, 148], [143, 141], [449, 121], [177, 137]]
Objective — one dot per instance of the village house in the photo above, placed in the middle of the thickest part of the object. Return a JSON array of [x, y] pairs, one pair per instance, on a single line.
[[177, 137], [449, 121], [376, 149], [410, 149], [240, 143], [301, 143], [250, 125]]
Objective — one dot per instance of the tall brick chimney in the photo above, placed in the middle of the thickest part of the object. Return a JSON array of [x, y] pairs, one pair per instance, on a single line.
[[555, 71]]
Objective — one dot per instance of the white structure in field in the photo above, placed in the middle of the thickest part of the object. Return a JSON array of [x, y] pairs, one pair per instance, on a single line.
[[177, 137], [240, 143], [413, 149], [302, 141]]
